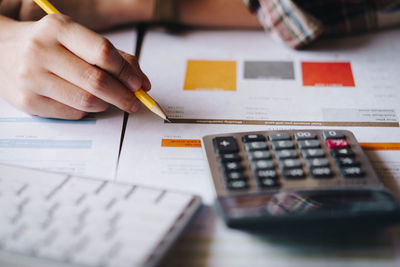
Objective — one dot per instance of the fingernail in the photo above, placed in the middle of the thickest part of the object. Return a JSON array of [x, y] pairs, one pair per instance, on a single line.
[[135, 107], [134, 82]]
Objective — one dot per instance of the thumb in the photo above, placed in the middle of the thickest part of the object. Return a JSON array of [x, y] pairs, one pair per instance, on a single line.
[[132, 60]]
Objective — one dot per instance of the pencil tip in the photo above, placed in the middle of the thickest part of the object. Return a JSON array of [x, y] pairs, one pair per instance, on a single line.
[[168, 120]]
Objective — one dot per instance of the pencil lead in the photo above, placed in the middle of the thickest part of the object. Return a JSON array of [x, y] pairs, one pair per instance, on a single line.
[[168, 120]]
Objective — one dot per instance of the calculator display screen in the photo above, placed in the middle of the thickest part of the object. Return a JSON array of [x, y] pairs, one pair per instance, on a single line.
[[305, 203]]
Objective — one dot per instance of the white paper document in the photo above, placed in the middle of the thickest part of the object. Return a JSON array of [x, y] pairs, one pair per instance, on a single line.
[[222, 81], [216, 82], [244, 78], [88, 147]]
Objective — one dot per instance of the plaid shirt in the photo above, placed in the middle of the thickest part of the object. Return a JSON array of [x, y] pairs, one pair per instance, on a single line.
[[299, 22]]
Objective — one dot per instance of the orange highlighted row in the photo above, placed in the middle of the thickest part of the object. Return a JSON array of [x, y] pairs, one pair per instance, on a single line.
[[180, 143], [380, 146]]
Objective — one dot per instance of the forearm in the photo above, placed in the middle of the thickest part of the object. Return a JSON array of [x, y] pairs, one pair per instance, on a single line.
[[216, 13], [104, 14], [95, 14], [208, 13], [116, 12]]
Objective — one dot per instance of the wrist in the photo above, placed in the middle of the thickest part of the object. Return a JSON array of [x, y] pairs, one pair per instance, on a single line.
[[9, 27]]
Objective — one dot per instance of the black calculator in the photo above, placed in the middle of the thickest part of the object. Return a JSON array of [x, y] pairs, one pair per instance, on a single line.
[[296, 177]]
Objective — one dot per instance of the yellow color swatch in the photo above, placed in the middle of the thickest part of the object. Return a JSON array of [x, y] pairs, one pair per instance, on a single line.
[[380, 146], [210, 75], [180, 143]]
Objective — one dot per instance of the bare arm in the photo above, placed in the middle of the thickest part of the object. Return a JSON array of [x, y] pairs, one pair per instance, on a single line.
[[103, 14], [216, 13], [208, 13], [10, 8]]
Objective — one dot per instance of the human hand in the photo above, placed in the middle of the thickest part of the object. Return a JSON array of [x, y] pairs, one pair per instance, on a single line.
[[57, 68]]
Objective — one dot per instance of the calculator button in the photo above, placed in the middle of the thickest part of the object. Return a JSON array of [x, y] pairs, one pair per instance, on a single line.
[[341, 153], [337, 143], [321, 172], [231, 157], [262, 165], [256, 146], [286, 154], [257, 155], [294, 174], [308, 144], [312, 153], [233, 167], [253, 138], [235, 176], [317, 162], [347, 162], [269, 183], [333, 135], [279, 145], [223, 145], [279, 137], [237, 185], [290, 164], [266, 174], [304, 136], [351, 172]]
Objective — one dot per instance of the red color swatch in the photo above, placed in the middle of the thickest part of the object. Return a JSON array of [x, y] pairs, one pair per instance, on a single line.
[[327, 74]]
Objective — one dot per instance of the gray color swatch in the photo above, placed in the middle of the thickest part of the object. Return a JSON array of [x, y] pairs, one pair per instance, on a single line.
[[270, 70]]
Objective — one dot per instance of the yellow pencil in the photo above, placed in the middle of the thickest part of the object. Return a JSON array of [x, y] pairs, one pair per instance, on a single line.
[[149, 102]]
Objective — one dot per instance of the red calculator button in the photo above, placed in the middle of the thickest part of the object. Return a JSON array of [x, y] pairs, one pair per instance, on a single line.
[[337, 143]]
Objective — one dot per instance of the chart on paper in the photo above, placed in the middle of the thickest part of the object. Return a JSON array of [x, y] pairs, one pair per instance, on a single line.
[[270, 93], [231, 78], [220, 82]]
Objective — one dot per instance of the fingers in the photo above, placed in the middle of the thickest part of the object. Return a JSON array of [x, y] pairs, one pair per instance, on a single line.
[[146, 84], [76, 71], [96, 50], [94, 80], [48, 108], [64, 92]]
